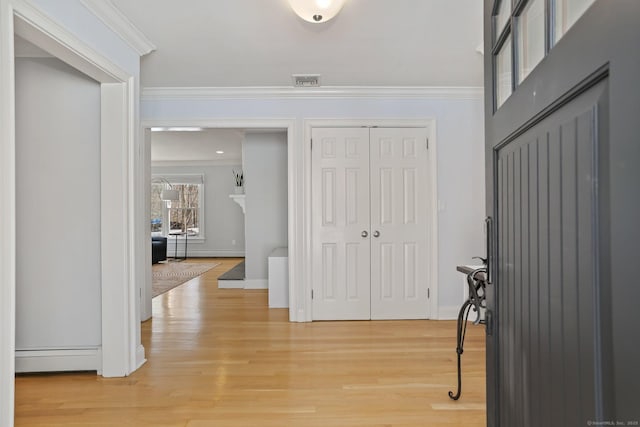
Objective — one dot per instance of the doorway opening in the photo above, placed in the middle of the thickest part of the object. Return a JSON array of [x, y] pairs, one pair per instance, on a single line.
[[243, 210]]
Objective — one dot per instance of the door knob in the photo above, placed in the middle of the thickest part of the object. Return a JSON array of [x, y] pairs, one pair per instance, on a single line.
[[376, 233], [364, 233]]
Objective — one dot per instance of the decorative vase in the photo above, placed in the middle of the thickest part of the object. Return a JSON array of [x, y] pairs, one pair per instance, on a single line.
[[239, 190]]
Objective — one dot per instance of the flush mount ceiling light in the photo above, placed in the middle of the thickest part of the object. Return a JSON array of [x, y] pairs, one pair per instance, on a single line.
[[316, 11]]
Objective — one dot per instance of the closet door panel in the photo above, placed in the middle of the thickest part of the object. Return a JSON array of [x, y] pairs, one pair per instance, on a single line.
[[399, 223], [341, 268]]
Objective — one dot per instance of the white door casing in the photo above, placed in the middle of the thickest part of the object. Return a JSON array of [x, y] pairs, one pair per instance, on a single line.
[[122, 351], [399, 223], [340, 224], [370, 223]]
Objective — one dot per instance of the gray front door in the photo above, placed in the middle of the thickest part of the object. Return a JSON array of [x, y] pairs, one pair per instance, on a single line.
[[563, 196]]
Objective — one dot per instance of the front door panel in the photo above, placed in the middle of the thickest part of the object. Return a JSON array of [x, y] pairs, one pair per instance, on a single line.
[[547, 252], [562, 192]]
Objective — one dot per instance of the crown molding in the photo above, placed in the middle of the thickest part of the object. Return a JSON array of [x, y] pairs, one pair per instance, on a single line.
[[113, 18], [285, 92], [38, 28]]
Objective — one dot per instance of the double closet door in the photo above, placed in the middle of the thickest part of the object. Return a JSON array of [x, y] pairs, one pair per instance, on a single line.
[[370, 223]]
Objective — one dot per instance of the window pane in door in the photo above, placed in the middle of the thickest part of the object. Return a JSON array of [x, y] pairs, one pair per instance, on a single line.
[[504, 74], [503, 15], [567, 12], [530, 25]]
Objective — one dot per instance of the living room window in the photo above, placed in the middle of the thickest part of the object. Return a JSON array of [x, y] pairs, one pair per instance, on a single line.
[[177, 216]]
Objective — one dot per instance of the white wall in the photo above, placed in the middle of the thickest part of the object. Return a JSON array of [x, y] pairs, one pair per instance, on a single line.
[[460, 151], [265, 171], [223, 221], [58, 302], [89, 29]]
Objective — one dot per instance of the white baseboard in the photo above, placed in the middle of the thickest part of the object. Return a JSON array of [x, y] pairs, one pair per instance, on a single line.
[[208, 254], [89, 359], [256, 284], [244, 284], [140, 359], [231, 284]]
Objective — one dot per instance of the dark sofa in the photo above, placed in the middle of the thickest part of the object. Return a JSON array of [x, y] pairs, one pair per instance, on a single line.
[[158, 249]]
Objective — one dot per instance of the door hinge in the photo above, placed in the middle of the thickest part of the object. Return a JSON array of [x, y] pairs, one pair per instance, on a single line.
[[311, 144], [427, 143], [428, 293], [311, 293]]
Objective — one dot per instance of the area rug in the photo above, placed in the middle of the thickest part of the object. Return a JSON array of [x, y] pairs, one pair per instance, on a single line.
[[236, 273], [167, 276]]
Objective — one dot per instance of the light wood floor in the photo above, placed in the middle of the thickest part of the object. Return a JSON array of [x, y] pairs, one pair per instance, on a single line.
[[220, 357]]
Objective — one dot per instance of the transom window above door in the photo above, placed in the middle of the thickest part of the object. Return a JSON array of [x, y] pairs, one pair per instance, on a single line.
[[524, 31]]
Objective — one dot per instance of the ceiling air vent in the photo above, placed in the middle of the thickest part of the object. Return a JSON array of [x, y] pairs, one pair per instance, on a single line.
[[306, 80]]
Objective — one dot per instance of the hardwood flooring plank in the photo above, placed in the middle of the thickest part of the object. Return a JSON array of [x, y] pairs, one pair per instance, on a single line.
[[221, 357]]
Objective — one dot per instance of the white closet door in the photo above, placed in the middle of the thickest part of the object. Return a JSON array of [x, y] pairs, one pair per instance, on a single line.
[[340, 203], [399, 215]]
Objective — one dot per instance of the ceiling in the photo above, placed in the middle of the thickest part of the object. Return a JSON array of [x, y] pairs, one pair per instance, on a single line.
[[261, 43], [171, 146], [249, 43]]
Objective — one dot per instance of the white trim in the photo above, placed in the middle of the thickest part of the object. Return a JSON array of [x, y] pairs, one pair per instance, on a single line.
[[7, 216], [256, 284], [244, 284], [146, 305], [257, 123], [37, 28], [42, 54], [295, 190], [120, 311], [117, 22], [230, 284], [140, 357], [138, 226], [180, 178], [428, 123], [120, 315], [433, 229], [211, 253], [88, 359], [286, 92]]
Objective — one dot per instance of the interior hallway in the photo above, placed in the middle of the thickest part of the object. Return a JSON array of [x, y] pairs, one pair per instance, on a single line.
[[220, 357]]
